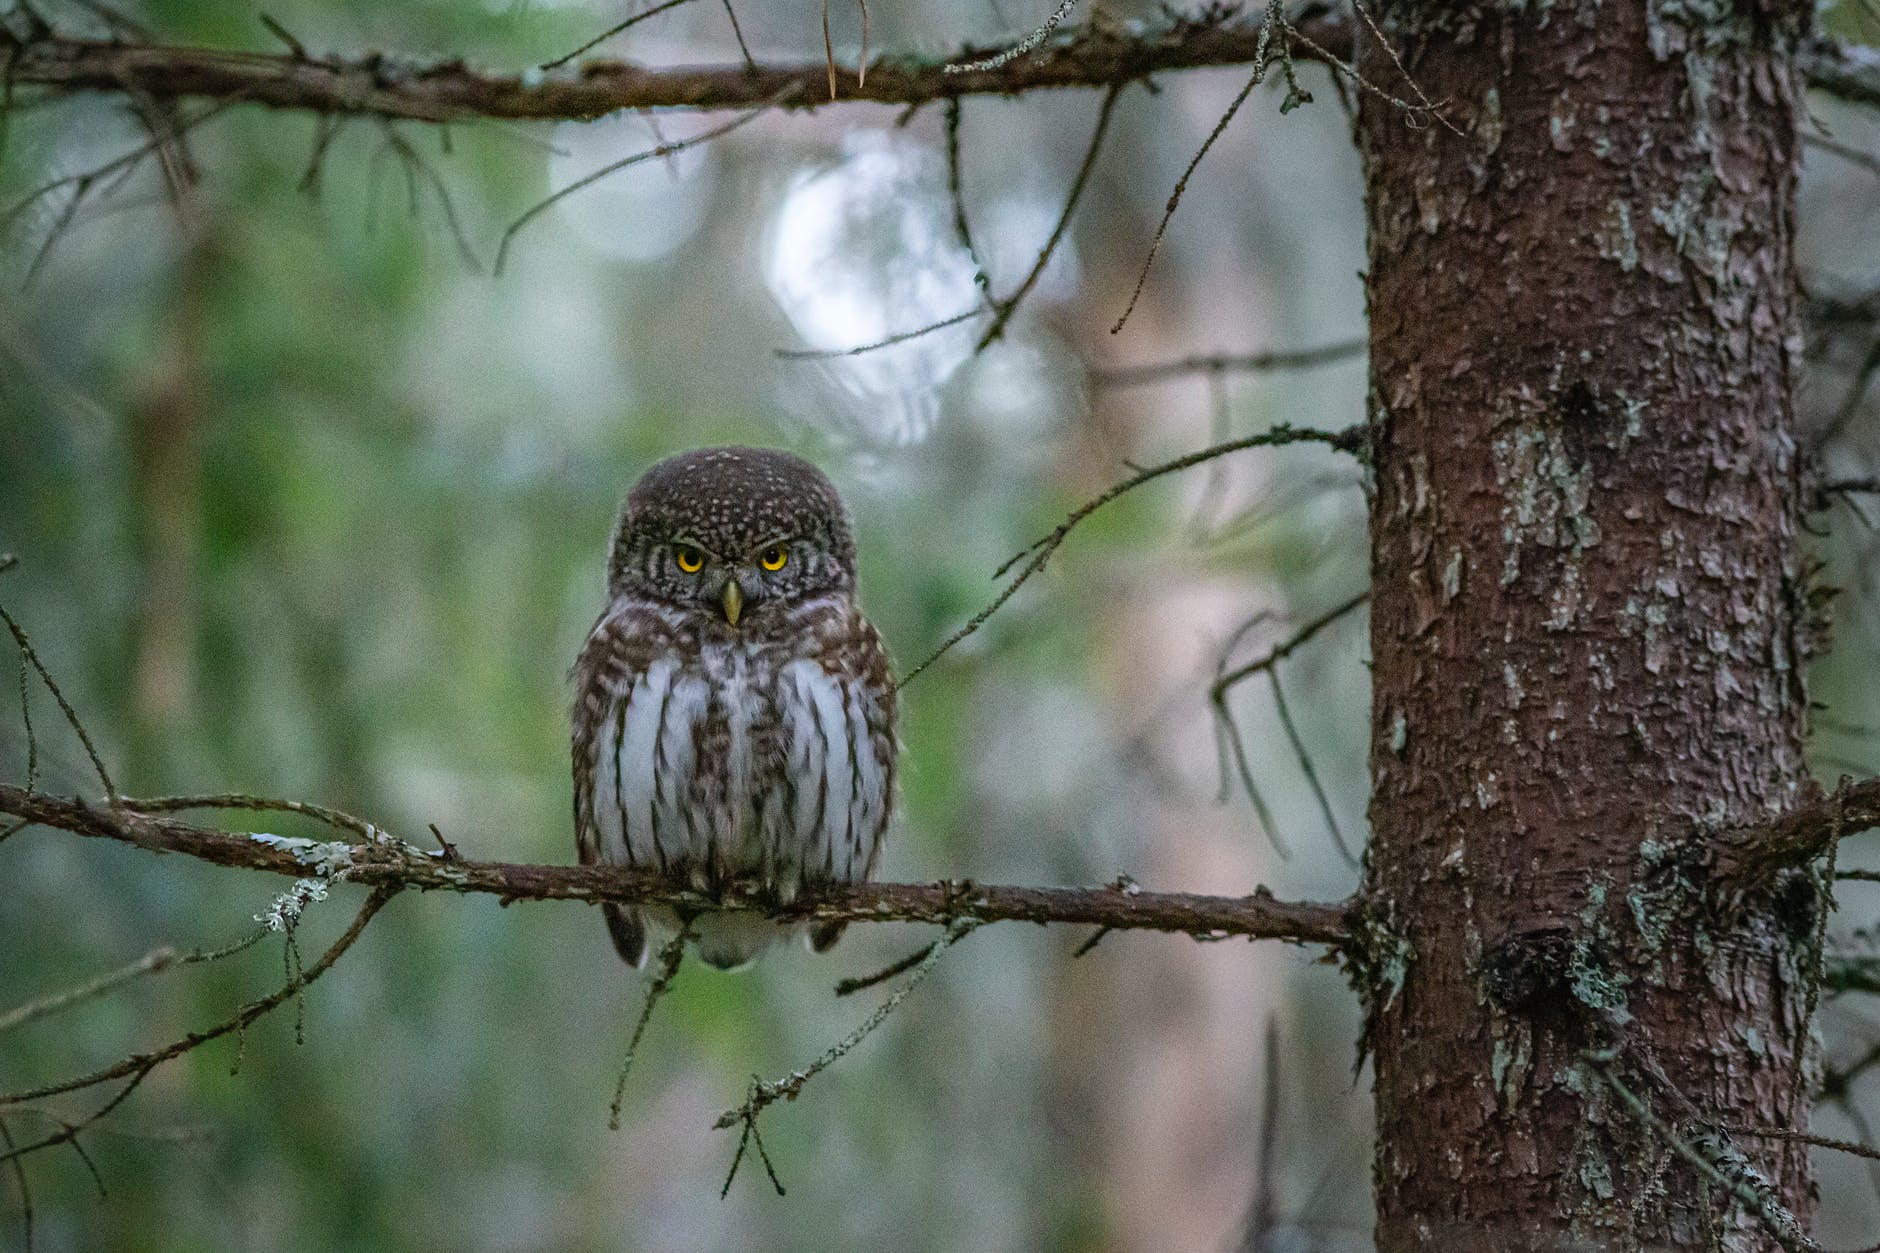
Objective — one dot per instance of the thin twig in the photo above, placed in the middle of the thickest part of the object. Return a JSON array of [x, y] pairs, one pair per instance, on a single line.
[[414, 162], [1775, 1217], [123, 166], [1305, 764], [829, 59], [1866, 160], [737, 33], [670, 955], [651, 154], [337, 819], [955, 115], [999, 60], [1791, 1136], [1181, 184], [286, 36], [1261, 1217], [65, 706], [1279, 652], [157, 959], [1232, 748], [1037, 554], [26, 721], [765, 1093], [1866, 485], [1214, 490], [610, 32], [138, 1065], [901, 337], [848, 987], [20, 1182], [1004, 309], [1258, 362]]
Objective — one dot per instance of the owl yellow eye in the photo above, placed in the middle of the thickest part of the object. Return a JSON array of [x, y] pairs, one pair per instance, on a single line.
[[691, 560], [774, 557]]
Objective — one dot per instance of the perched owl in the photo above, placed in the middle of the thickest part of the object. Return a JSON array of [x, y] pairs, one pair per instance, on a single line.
[[733, 714]]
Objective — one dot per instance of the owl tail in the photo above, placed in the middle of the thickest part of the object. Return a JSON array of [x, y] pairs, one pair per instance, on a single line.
[[629, 934], [733, 941]]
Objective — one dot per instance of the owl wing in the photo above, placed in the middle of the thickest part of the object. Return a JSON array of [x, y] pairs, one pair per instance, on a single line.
[[623, 688], [838, 706], [843, 751]]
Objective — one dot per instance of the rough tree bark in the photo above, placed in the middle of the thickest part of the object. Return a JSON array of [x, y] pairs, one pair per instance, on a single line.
[[1590, 615]]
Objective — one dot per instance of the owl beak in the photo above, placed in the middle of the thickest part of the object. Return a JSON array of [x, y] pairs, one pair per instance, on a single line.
[[734, 602]]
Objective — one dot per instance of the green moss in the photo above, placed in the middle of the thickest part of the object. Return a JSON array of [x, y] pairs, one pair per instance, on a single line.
[[1615, 238], [1547, 492], [1377, 961], [1590, 975]]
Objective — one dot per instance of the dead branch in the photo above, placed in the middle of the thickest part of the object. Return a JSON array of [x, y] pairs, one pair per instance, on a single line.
[[1849, 72], [763, 1093], [1004, 309], [1850, 972], [442, 90], [1036, 555], [650, 154], [156, 960], [136, 1068], [1221, 363], [1280, 652], [1750, 856], [1714, 1158], [393, 864], [669, 958], [1233, 749]]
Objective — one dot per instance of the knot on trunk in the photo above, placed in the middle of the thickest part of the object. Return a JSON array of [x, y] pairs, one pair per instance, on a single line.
[[1530, 968]]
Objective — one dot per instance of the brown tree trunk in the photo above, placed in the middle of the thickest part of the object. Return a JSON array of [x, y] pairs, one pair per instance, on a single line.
[[1587, 618]]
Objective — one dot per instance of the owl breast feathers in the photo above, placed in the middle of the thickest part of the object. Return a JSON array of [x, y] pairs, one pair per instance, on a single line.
[[734, 713]]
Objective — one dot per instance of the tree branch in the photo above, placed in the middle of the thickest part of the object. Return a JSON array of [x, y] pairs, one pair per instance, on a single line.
[[442, 90], [1221, 363], [1751, 856], [390, 863], [1849, 72]]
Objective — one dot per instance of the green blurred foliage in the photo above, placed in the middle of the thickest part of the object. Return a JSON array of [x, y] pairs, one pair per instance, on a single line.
[[308, 506]]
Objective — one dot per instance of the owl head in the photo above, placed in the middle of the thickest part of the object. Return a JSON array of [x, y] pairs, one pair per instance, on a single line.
[[736, 534]]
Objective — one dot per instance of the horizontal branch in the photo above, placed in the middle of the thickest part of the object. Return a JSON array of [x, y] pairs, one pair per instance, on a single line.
[[441, 91], [381, 861], [1219, 363], [1850, 972], [1753, 855], [445, 90], [1851, 73]]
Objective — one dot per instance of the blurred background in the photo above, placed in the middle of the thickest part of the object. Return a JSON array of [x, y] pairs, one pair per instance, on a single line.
[[307, 502]]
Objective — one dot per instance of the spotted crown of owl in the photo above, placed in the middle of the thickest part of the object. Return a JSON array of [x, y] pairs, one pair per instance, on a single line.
[[730, 502]]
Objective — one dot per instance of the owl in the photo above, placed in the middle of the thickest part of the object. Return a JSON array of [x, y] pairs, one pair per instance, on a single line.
[[733, 711]]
